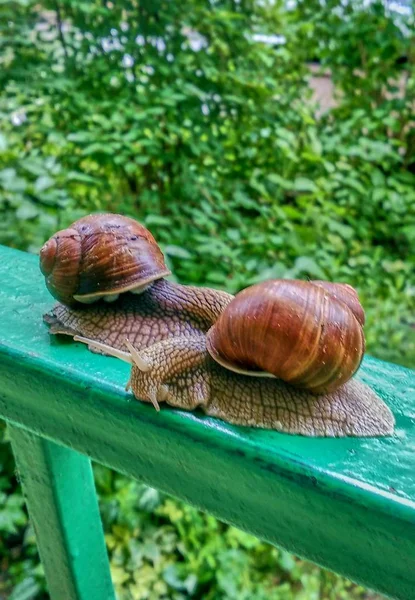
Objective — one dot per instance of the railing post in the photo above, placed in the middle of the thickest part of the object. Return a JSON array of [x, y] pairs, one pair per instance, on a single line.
[[60, 493]]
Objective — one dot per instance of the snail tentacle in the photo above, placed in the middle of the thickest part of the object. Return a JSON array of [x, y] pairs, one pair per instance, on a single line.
[[132, 356], [104, 348], [139, 362]]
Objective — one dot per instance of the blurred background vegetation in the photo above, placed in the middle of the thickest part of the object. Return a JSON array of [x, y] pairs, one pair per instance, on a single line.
[[197, 118]]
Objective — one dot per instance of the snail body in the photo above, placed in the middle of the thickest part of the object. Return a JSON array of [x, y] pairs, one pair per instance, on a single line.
[[163, 310], [181, 373], [198, 347]]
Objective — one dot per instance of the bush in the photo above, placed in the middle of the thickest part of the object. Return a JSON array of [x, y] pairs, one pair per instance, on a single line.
[[177, 114], [180, 118]]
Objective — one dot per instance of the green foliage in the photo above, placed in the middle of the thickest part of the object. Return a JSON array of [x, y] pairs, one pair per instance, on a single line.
[[173, 113], [21, 575], [161, 548]]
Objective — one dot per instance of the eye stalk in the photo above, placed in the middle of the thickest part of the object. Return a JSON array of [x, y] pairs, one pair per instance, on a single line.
[[132, 357], [138, 361]]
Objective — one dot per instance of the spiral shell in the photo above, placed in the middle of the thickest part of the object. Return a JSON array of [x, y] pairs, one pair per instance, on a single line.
[[308, 334], [100, 256]]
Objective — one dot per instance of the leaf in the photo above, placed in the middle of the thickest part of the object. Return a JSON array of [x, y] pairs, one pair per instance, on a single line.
[[157, 220], [3, 143], [172, 578], [27, 211], [11, 182], [302, 184], [35, 166], [177, 251], [26, 590], [217, 277], [81, 177], [280, 181], [345, 231], [43, 183], [149, 499], [409, 231], [99, 148], [287, 561], [305, 264], [11, 513], [119, 575], [233, 234], [80, 136], [142, 160], [276, 271], [151, 551]]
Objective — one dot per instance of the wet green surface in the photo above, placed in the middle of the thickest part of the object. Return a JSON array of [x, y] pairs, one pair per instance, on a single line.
[[348, 504]]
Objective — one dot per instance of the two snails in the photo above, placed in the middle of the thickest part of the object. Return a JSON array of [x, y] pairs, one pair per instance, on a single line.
[[279, 355]]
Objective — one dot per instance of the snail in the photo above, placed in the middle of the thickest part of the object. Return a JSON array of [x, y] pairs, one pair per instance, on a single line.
[[195, 347], [90, 265]]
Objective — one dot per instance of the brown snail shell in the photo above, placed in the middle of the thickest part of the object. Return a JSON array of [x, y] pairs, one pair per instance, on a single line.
[[100, 256], [308, 334]]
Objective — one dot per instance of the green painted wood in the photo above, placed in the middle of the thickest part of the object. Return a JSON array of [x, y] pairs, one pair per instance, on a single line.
[[347, 504], [59, 488]]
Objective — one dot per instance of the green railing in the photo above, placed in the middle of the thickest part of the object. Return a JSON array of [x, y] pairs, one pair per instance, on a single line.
[[346, 504]]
